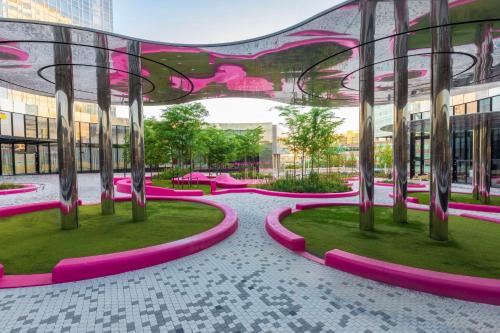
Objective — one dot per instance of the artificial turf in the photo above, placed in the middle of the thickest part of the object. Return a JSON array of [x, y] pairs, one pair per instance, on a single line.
[[168, 183], [472, 248], [34, 243], [424, 198]]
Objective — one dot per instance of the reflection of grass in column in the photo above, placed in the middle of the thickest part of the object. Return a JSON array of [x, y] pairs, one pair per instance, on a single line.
[[472, 248], [9, 186], [34, 243], [423, 198]]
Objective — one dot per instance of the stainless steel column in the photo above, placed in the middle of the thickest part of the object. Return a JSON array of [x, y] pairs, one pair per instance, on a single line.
[[104, 110], [366, 100], [484, 158], [475, 157], [400, 129], [440, 97], [68, 186], [136, 133]]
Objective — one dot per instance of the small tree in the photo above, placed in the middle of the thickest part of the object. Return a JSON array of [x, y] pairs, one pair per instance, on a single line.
[[383, 157]]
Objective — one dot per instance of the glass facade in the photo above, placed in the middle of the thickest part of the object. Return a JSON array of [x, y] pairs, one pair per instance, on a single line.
[[461, 141], [33, 148]]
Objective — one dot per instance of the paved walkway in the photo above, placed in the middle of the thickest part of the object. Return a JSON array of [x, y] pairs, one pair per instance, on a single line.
[[247, 283]]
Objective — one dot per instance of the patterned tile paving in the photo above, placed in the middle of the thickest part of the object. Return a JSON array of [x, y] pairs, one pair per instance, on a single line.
[[247, 283]]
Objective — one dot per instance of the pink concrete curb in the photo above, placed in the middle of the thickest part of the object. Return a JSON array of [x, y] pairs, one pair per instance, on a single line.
[[124, 186], [281, 234], [29, 208], [26, 188], [410, 185], [76, 269], [462, 287], [287, 194]]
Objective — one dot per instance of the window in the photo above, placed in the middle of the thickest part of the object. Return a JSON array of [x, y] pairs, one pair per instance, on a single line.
[[6, 152], [459, 109], [5, 123], [495, 103], [43, 128], [30, 124], [84, 132], [471, 107], [18, 120], [52, 128], [76, 126], [94, 133], [485, 105]]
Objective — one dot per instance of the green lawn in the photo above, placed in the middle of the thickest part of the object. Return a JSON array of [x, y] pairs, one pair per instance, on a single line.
[[423, 198], [472, 248], [34, 242], [9, 186], [168, 183]]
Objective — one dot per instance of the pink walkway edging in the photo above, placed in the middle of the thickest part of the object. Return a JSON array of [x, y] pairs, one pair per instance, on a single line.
[[75, 269], [281, 234], [462, 287], [26, 188], [117, 179], [287, 194]]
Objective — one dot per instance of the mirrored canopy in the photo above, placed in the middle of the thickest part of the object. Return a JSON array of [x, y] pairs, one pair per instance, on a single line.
[[313, 63]]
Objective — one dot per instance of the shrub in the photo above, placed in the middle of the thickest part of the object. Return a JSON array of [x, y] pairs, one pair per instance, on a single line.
[[313, 183], [9, 186], [256, 175], [172, 173]]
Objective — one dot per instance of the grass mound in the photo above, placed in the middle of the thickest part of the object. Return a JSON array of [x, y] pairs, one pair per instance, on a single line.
[[313, 183], [34, 242], [472, 248]]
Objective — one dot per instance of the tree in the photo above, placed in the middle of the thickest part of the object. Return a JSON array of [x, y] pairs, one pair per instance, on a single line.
[[384, 156], [248, 145], [156, 153], [220, 147], [179, 128]]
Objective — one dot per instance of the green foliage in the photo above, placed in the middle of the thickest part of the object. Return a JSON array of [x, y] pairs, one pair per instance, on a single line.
[[255, 175], [424, 198], [34, 243], [171, 173], [313, 183], [9, 186], [471, 250], [383, 157]]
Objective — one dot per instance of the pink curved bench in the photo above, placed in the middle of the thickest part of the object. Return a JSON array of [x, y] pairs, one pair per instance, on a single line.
[[124, 186], [281, 234], [226, 181], [463, 287], [117, 179], [24, 189], [192, 178], [75, 269], [29, 208], [287, 194]]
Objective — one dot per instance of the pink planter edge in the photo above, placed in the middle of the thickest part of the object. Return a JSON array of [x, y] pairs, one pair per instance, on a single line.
[[468, 288], [26, 188], [76, 269], [123, 186], [281, 234], [287, 194]]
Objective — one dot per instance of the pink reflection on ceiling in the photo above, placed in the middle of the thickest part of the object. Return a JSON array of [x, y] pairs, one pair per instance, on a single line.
[[234, 77], [10, 52]]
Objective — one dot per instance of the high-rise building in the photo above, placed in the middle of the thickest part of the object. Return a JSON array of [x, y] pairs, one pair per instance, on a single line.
[[27, 121]]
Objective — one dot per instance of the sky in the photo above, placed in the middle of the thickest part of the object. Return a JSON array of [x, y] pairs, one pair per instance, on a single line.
[[217, 21]]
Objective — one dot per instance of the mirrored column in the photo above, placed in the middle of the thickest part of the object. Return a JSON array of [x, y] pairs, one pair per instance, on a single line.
[[475, 157], [68, 186], [136, 133], [484, 158], [440, 99], [366, 129], [104, 112], [400, 128]]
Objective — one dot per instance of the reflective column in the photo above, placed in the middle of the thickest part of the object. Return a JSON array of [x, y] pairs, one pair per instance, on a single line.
[[136, 132], [105, 134], [475, 157], [484, 158], [68, 187], [400, 129], [440, 98], [366, 130]]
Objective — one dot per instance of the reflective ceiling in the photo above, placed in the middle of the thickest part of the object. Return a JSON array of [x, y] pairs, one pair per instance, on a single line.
[[313, 63]]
